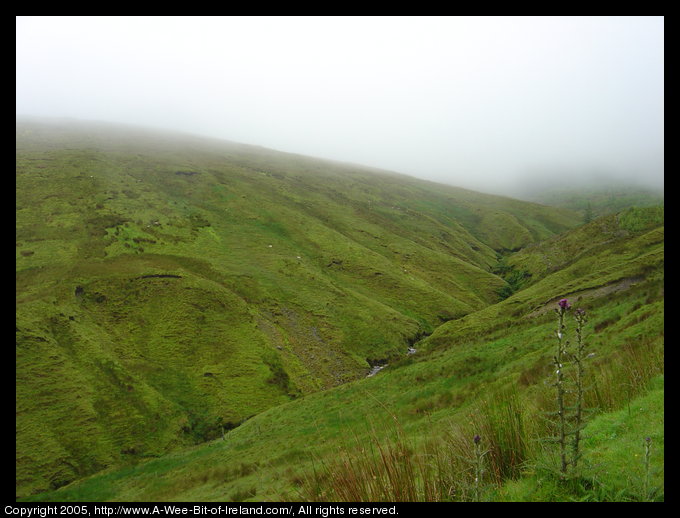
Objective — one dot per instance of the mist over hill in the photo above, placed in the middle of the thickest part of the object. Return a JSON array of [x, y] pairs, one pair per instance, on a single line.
[[462, 100]]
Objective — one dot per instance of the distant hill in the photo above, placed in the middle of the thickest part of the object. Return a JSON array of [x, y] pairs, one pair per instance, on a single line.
[[596, 200], [170, 287]]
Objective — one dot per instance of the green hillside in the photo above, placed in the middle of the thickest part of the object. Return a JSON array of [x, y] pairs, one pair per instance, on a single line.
[[170, 287], [407, 433]]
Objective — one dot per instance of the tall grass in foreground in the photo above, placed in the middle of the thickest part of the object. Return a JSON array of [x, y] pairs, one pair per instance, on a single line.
[[462, 465], [376, 469], [495, 440], [626, 374]]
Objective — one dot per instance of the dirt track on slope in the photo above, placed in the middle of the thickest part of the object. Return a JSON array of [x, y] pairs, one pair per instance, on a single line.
[[592, 293]]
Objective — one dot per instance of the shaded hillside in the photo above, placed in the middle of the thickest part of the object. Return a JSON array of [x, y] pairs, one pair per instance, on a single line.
[[170, 287]]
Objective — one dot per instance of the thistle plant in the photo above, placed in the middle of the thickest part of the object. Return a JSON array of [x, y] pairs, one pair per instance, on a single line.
[[479, 466], [579, 356], [559, 360], [648, 452], [569, 417]]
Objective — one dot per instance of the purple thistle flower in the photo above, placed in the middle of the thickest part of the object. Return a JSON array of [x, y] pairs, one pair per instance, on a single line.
[[476, 439], [564, 304]]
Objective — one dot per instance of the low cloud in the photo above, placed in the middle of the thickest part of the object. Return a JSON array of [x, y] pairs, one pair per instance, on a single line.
[[480, 102]]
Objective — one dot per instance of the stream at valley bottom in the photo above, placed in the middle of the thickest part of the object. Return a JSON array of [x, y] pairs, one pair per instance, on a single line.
[[378, 367]]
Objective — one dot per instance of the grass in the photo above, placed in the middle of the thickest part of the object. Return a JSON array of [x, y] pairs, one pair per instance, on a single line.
[[613, 467], [440, 403], [157, 309], [517, 466], [273, 253]]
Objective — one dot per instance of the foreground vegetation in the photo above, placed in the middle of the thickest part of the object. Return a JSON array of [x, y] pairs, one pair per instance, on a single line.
[[178, 316]]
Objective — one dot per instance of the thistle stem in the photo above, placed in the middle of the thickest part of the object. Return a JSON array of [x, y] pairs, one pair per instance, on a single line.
[[559, 384], [648, 449], [578, 359]]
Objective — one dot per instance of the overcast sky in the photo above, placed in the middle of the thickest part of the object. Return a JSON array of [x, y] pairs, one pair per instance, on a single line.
[[477, 102]]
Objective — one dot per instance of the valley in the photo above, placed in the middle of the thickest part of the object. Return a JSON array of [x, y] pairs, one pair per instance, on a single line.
[[202, 320]]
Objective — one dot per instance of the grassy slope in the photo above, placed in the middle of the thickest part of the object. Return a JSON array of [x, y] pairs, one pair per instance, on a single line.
[[169, 287], [445, 386], [591, 261], [458, 386], [614, 457]]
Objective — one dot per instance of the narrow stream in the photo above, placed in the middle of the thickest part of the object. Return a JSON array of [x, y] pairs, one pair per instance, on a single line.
[[377, 368]]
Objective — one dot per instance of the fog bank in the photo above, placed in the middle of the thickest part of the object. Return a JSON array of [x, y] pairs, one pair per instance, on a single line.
[[489, 103]]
